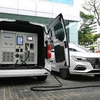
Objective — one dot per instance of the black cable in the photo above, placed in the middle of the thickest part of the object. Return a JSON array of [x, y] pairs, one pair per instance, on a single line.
[[53, 88], [27, 56], [24, 62], [60, 84], [14, 64], [10, 66]]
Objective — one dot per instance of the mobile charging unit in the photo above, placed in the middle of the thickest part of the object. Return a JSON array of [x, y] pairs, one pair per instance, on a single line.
[[24, 49], [14, 46]]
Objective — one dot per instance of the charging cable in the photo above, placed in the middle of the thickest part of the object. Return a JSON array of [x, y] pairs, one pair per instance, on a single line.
[[28, 51], [59, 87], [47, 88], [10, 66]]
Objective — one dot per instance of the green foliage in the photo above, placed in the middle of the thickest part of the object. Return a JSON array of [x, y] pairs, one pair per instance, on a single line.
[[96, 36], [86, 20], [86, 39], [85, 36], [86, 17], [92, 48]]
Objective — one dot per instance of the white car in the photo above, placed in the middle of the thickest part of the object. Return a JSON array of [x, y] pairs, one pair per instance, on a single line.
[[81, 61]]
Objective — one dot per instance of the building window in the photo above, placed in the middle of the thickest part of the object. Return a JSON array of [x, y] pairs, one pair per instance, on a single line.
[[70, 2], [54, 0], [63, 1]]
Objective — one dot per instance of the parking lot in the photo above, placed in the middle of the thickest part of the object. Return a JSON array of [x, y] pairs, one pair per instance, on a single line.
[[19, 89]]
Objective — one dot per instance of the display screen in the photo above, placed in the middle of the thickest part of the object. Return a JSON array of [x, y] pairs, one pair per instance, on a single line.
[[29, 38], [19, 40]]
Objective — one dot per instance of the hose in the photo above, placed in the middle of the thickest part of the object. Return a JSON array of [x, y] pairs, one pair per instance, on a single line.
[[58, 87]]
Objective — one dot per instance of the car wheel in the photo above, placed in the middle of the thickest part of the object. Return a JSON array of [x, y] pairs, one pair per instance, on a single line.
[[41, 78], [65, 74]]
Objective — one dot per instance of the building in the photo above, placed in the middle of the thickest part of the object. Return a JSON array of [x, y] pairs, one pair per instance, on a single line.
[[95, 28], [43, 11]]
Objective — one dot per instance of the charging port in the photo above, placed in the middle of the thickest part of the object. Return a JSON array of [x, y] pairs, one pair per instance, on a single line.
[[31, 46]]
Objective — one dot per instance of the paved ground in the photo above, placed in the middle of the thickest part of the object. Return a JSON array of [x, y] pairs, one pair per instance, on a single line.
[[19, 89]]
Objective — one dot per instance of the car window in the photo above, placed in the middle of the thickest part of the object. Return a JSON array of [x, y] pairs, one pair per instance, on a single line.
[[59, 32]]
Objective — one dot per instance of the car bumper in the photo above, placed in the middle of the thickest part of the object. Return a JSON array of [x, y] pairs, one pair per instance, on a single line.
[[23, 72], [86, 72]]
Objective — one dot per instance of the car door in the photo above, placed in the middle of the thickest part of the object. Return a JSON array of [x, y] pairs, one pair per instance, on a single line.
[[59, 38]]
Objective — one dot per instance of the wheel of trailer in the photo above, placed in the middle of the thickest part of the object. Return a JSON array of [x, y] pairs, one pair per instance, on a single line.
[[65, 74], [41, 78]]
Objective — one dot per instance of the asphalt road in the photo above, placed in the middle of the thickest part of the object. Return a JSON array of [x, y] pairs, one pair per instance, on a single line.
[[19, 88]]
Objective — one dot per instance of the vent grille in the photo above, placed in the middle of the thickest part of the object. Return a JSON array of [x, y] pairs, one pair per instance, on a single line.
[[7, 57], [95, 62], [31, 57]]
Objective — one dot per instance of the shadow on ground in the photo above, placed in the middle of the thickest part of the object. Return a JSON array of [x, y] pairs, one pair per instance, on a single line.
[[80, 78], [32, 80], [18, 81]]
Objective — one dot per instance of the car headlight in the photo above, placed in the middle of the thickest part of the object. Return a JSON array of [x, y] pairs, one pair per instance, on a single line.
[[79, 58]]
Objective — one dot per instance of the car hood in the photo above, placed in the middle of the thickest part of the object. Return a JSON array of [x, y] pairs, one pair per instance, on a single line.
[[85, 54]]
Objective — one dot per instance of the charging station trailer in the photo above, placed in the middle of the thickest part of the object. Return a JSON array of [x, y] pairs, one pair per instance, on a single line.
[[24, 50]]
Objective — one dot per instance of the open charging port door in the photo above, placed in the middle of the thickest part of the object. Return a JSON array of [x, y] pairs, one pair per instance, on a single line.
[[59, 37]]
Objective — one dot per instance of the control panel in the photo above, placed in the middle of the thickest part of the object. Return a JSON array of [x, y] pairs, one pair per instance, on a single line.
[[18, 47]]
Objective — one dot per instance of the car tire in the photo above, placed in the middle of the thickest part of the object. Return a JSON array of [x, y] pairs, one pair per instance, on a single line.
[[41, 78], [65, 74]]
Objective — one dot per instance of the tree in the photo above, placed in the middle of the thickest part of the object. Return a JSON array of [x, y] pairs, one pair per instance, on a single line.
[[86, 20], [93, 7], [84, 34]]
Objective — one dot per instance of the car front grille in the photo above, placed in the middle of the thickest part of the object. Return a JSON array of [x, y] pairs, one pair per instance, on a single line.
[[95, 62]]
